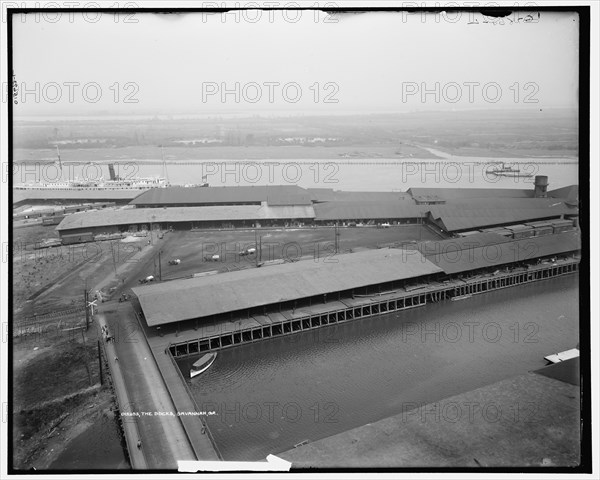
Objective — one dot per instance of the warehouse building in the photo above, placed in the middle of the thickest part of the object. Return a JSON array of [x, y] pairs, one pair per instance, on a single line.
[[276, 195], [231, 308], [446, 196], [279, 287], [452, 211], [186, 218], [366, 212], [486, 251], [462, 216], [49, 196]]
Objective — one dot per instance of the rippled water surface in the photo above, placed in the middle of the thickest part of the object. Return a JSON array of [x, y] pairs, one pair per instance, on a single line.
[[270, 395]]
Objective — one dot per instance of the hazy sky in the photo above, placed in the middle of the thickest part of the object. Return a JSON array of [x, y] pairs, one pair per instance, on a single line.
[[374, 62]]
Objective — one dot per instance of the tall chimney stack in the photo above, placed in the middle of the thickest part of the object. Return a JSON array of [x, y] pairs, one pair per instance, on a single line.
[[540, 186]]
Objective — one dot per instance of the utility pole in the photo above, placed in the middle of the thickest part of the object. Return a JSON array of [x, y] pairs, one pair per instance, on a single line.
[[258, 247], [100, 363], [87, 365], [164, 165], [159, 266], [87, 307], [112, 251]]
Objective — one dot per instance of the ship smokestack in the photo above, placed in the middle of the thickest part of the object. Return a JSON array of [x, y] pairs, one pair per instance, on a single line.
[[111, 171], [540, 186]]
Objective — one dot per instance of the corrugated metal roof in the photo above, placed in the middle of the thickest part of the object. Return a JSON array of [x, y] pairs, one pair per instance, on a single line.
[[505, 203], [454, 260], [81, 195], [462, 193], [272, 194], [330, 195], [200, 297], [132, 216], [368, 210], [459, 218]]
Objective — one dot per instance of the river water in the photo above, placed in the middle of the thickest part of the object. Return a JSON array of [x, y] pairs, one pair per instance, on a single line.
[[379, 174], [266, 397]]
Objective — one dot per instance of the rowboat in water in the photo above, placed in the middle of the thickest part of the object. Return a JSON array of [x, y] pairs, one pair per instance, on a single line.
[[202, 364]]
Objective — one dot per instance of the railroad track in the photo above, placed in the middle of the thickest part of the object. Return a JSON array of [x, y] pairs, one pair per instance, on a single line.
[[49, 316]]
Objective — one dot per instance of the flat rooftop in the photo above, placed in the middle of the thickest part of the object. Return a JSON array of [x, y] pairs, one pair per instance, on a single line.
[[224, 213], [272, 194], [458, 255], [20, 196], [469, 217], [364, 210], [181, 300]]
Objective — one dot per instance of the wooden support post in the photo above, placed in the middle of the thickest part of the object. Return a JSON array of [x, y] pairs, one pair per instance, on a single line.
[[100, 363], [87, 308], [159, 266]]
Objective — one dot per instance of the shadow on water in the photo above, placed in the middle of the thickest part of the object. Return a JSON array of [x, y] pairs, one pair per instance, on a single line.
[[271, 395]]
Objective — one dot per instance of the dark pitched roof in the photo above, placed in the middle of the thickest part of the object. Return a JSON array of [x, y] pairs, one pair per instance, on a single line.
[[21, 196], [367, 210], [445, 194], [218, 213], [455, 256], [330, 195], [200, 297], [487, 213], [272, 194]]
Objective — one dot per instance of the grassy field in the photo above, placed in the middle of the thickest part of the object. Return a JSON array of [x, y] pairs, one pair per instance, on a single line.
[[183, 153], [483, 133]]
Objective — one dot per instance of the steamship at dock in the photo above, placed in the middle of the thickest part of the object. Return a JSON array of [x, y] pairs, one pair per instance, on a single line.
[[114, 182]]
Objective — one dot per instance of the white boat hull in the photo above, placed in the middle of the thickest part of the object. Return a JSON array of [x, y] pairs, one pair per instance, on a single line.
[[194, 373]]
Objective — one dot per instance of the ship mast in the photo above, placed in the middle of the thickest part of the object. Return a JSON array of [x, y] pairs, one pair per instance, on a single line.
[[58, 155], [165, 173]]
